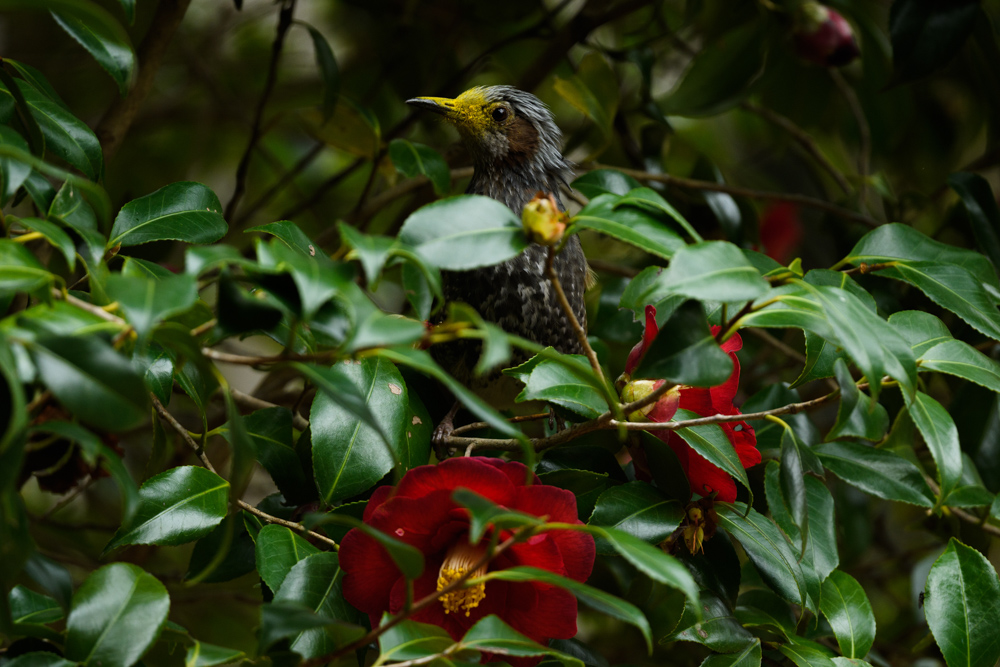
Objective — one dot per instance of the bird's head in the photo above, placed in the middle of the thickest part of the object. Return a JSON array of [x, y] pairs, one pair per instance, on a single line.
[[502, 125]]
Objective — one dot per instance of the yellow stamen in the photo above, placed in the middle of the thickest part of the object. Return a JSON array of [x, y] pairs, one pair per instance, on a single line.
[[461, 557]]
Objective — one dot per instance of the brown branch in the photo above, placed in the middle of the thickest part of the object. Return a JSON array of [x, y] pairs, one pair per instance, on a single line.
[[284, 23], [692, 184], [254, 403], [179, 428], [117, 120], [581, 333], [804, 140], [475, 426], [282, 183], [421, 604], [968, 517]]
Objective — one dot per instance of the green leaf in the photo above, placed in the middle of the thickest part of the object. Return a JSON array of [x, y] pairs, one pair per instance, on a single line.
[[328, 70], [338, 384], [13, 174], [315, 583], [407, 558], [348, 454], [293, 237], [927, 35], [492, 635], [177, 506], [270, 431], [565, 380], [983, 211], [879, 472], [805, 656], [647, 289], [39, 658], [651, 199], [464, 232], [791, 481], [960, 605], [921, 330], [762, 608], [846, 607], [224, 554], [628, 224], [820, 556], [410, 640], [768, 549], [717, 628], [748, 657], [316, 280], [20, 271], [484, 514], [36, 79], [148, 302], [66, 136], [94, 382], [422, 362], [960, 359], [651, 561], [713, 271], [278, 551], [586, 485], [279, 620], [184, 211], [413, 159], [857, 415], [594, 598], [711, 442], [639, 509], [939, 432], [685, 351], [27, 606], [209, 655], [103, 37], [604, 181], [117, 613], [372, 251], [720, 75], [52, 233]]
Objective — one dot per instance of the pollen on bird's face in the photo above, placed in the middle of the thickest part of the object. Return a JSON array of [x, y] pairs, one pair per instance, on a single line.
[[474, 112]]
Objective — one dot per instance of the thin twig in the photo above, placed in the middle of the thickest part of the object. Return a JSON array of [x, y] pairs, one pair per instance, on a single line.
[[864, 132], [284, 23], [692, 184], [282, 183], [421, 604], [805, 141], [254, 403], [787, 350], [581, 333], [177, 426], [968, 517], [113, 127], [475, 426]]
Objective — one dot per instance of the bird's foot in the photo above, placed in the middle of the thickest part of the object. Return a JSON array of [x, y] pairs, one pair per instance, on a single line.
[[443, 431]]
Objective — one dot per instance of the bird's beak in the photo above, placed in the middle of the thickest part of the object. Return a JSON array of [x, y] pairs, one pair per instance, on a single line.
[[440, 105]]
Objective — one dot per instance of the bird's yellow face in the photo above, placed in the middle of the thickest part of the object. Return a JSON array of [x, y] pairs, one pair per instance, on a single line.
[[473, 113]]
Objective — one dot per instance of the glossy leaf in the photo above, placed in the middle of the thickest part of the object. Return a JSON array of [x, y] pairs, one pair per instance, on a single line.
[[315, 584], [148, 302], [52, 232], [328, 69], [768, 549], [20, 271], [565, 380], [685, 352], [638, 509], [604, 181], [846, 607], [39, 659], [960, 359], [27, 606], [270, 431], [939, 432], [116, 615], [876, 471], [412, 159], [748, 657], [278, 551], [103, 38], [410, 640], [650, 199], [961, 610], [349, 455], [921, 330], [292, 236], [184, 211], [594, 598], [984, 213], [857, 415], [209, 655], [651, 561], [492, 635], [712, 443], [805, 656], [628, 224], [13, 173], [93, 381], [177, 506], [717, 628], [464, 232], [714, 271]]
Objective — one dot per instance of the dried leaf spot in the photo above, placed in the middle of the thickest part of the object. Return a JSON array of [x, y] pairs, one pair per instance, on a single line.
[[312, 251], [396, 389], [416, 420]]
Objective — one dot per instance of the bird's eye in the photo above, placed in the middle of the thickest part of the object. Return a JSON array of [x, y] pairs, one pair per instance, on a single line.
[[500, 114]]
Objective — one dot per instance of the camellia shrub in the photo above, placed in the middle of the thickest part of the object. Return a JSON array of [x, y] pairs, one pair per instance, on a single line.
[[780, 447]]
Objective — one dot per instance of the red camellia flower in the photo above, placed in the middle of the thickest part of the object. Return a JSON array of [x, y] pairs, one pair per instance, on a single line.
[[420, 511], [705, 478], [823, 36]]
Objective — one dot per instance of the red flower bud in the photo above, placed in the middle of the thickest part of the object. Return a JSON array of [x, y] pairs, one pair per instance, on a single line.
[[824, 37]]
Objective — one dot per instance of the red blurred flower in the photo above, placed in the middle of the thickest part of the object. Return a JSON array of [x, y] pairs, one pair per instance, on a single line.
[[824, 37], [704, 477], [421, 512], [780, 231]]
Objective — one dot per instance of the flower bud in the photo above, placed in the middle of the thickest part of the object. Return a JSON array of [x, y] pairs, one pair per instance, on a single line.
[[662, 410], [543, 222], [823, 36]]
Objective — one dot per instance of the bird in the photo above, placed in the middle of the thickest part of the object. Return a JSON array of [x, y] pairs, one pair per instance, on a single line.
[[516, 149]]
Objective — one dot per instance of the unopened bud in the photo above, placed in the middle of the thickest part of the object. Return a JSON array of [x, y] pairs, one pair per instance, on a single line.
[[543, 222], [823, 36], [662, 410]]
